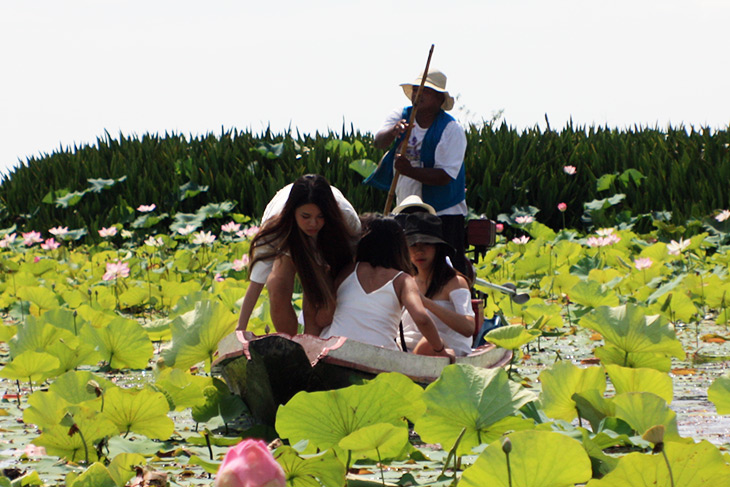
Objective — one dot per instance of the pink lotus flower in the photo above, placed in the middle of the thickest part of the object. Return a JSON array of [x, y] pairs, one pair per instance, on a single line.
[[604, 232], [676, 248], [7, 240], [594, 242], [499, 227], [34, 451], [643, 263], [146, 208], [525, 219], [521, 240], [218, 277], [723, 215], [32, 237], [562, 207], [251, 232], [58, 231], [250, 464], [239, 264], [569, 170], [231, 227], [115, 270], [203, 238], [108, 232], [187, 229], [153, 241], [50, 244]]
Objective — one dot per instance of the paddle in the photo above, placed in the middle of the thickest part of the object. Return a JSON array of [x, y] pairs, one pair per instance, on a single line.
[[509, 289], [404, 143]]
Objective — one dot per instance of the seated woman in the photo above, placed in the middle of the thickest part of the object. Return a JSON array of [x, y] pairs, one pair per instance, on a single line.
[[372, 292], [445, 291], [308, 229]]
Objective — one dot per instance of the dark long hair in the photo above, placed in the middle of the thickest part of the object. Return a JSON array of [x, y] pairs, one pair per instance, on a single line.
[[441, 271], [384, 244], [281, 234]]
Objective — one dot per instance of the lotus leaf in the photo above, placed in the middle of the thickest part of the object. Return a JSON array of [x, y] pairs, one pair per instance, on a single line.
[[93, 426], [36, 335], [123, 343], [471, 398], [184, 389], [675, 306], [196, 334], [71, 352], [97, 475], [73, 386], [142, 411], [627, 379], [218, 401], [364, 167], [593, 407], [719, 394], [693, 465], [321, 470], [7, 332], [564, 379], [592, 294], [537, 459], [46, 409], [628, 328], [134, 296], [548, 315], [376, 441], [30, 366], [562, 283], [325, 417], [511, 337], [642, 410], [610, 354]]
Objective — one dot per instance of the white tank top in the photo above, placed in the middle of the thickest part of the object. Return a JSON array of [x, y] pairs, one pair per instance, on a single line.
[[366, 317]]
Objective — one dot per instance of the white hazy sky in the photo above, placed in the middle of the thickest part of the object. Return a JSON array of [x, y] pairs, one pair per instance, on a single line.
[[72, 69]]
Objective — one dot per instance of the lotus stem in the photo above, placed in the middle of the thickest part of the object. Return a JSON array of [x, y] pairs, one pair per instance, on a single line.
[[380, 464], [669, 468], [452, 452]]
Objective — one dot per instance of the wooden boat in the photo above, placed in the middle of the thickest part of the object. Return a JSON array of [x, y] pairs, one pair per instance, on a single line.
[[268, 370]]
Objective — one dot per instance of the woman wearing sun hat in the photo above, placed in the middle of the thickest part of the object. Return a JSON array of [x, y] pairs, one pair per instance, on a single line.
[[444, 291], [433, 165]]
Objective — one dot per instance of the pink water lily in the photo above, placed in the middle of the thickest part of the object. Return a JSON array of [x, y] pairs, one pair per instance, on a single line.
[[524, 219], [676, 248], [107, 232], [50, 244], [146, 208], [723, 215], [231, 227], [58, 231], [203, 238], [186, 230], [115, 270], [239, 264], [32, 237], [521, 240], [7, 240], [643, 263], [251, 231], [153, 241], [569, 170], [562, 207], [250, 464]]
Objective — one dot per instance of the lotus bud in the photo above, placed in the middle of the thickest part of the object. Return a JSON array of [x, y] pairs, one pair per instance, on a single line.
[[506, 445], [93, 387], [250, 464]]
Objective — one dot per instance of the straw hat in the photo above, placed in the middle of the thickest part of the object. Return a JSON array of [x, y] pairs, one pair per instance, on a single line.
[[435, 80], [413, 204]]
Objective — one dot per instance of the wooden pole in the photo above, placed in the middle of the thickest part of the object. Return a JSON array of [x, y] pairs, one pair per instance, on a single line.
[[404, 143]]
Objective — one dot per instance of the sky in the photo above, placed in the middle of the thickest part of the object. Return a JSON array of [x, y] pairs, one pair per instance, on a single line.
[[75, 69]]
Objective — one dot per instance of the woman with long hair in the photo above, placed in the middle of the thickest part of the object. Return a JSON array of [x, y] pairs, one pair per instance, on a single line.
[[372, 292], [445, 291], [308, 230]]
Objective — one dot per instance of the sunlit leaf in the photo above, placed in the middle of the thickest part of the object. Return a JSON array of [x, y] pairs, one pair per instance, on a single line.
[[642, 410], [73, 386], [564, 379], [141, 411], [98, 185], [364, 167], [97, 475], [218, 401], [122, 343], [537, 459], [30, 366], [376, 441], [719, 394], [46, 409], [471, 398], [610, 354], [190, 190], [42, 297], [93, 426], [625, 379], [184, 389], [592, 294], [511, 337], [323, 469]]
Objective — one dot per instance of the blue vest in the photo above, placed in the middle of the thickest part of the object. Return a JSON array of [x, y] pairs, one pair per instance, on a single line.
[[440, 197]]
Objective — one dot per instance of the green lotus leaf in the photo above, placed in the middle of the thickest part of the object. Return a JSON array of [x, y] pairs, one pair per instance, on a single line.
[[215, 210], [610, 354], [158, 330], [73, 386], [540, 230], [148, 220], [537, 459], [141, 411], [122, 466], [559, 284], [323, 469], [98, 185], [70, 199], [184, 389], [72, 352], [93, 426], [64, 319], [593, 407], [675, 306], [190, 190], [208, 466], [218, 401], [36, 335], [96, 316], [532, 264], [642, 410], [30, 366], [627, 379], [549, 315], [511, 337], [364, 167], [693, 465], [376, 441], [325, 417], [628, 327], [7, 332], [122, 343], [46, 409], [719, 394], [467, 397], [508, 424], [134, 296], [196, 334], [592, 294], [564, 379], [97, 475]]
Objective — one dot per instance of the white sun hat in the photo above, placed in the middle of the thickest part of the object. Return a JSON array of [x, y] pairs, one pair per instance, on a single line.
[[436, 80], [412, 204]]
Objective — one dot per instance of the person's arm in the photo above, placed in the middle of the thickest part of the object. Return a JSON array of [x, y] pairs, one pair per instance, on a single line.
[[385, 137], [249, 303], [425, 175], [457, 321], [410, 297], [281, 286]]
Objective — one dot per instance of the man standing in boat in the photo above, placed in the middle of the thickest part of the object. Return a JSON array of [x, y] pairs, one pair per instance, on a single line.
[[432, 166]]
